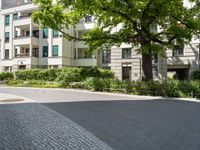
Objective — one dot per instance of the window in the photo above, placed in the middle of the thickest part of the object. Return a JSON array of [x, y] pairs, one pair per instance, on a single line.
[[126, 53], [106, 56], [7, 54], [7, 20], [35, 52], [45, 32], [16, 34], [88, 19], [55, 33], [8, 69], [45, 51], [36, 33], [55, 50], [178, 51], [7, 37], [15, 16]]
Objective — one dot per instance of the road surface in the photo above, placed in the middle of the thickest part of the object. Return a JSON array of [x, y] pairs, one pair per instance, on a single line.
[[124, 123]]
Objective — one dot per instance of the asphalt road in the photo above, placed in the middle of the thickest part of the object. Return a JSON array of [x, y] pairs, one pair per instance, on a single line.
[[126, 123]]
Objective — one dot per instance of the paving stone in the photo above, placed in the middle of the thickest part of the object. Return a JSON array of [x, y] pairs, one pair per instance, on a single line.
[[35, 127]]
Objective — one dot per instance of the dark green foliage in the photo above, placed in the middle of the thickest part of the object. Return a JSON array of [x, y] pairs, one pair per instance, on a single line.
[[196, 74], [69, 75], [97, 84], [32, 74], [6, 76], [49, 74]]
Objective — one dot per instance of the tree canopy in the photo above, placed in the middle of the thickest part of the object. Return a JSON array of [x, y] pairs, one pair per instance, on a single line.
[[135, 22]]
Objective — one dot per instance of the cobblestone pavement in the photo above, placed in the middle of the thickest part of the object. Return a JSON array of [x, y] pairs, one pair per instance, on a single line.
[[35, 127]]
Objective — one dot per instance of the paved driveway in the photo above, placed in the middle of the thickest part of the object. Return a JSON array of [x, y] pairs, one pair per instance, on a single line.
[[126, 123]]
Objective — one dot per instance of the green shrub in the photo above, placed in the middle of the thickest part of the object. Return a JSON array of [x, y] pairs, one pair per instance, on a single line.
[[116, 86], [105, 73], [96, 72], [49, 74], [69, 75], [14, 82], [97, 84], [171, 88], [90, 72], [29, 74], [6, 76], [186, 87], [196, 74], [128, 86]]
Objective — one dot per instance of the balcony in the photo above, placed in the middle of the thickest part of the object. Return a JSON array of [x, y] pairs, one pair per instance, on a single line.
[[85, 62], [86, 23], [25, 40], [22, 55], [80, 44], [21, 21]]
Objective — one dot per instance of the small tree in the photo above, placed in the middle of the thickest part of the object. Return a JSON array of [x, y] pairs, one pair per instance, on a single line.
[[126, 21]]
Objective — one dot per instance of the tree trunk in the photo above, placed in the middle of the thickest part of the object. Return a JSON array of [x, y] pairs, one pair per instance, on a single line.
[[147, 67]]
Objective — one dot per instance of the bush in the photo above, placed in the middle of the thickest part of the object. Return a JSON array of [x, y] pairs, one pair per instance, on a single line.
[[116, 86], [49, 74], [196, 74], [97, 84], [105, 73], [96, 72], [90, 72], [186, 87], [14, 82], [32, 74], [6, 76], [69, 75]]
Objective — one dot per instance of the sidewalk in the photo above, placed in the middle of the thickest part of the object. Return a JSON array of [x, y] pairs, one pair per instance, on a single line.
[[8, 98]]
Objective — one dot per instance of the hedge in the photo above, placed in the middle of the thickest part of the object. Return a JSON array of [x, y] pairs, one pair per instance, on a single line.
[[6, 76]]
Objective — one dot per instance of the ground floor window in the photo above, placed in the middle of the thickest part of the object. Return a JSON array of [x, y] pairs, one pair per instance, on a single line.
[[7, 69], [53, 66]]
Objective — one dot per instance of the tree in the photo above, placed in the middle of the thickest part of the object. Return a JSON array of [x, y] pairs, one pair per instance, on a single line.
[[126, 21]]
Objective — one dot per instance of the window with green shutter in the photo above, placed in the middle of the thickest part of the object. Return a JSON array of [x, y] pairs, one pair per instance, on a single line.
[[7, 20], [45, 32], [55, 50], [45, 51]]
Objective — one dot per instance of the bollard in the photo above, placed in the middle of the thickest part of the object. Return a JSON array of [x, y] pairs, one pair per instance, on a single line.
[[192, 94]]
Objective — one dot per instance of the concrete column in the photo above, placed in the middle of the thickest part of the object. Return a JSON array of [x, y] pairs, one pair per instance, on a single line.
[[31, 30], [30, 49], [12, 51], [50, 38]]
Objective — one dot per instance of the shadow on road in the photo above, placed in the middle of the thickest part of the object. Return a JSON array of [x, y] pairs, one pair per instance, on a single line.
[[138, 125]]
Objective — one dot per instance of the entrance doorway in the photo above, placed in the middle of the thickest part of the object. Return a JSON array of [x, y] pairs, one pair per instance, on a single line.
[[179, 74], [126, 73], [21, 67]]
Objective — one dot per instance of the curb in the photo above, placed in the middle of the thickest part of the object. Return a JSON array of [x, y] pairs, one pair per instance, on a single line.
[[110, 94], [13, 99]]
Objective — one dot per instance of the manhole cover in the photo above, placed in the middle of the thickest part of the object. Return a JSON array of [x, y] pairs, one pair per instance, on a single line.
[[11, 100]]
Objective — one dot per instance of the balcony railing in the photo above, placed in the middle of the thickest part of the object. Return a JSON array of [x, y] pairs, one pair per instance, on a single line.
[[28, 36], [22, 55], [35, 53]]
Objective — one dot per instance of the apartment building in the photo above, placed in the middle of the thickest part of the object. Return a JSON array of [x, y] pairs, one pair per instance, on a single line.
[[25, 45]]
